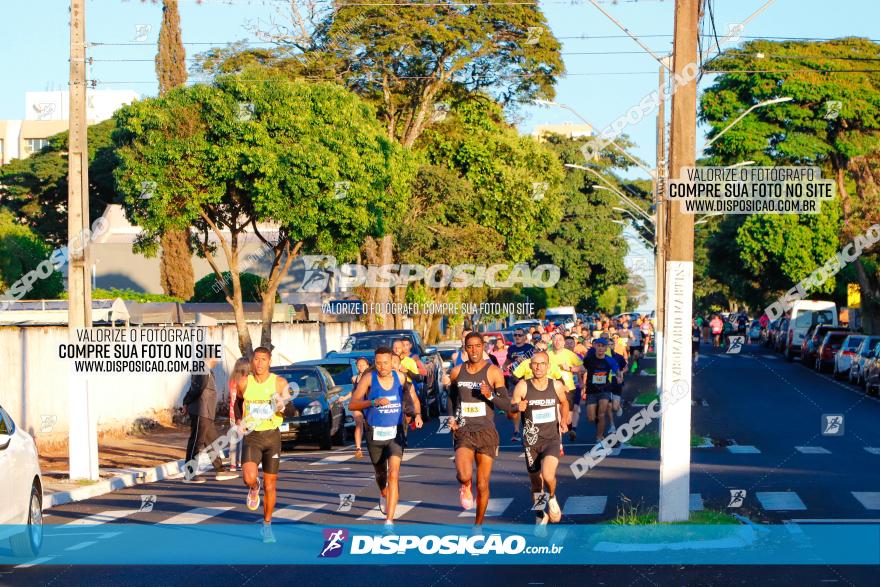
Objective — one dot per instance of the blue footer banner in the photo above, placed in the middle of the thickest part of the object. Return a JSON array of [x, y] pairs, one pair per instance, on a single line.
[[418, 544]]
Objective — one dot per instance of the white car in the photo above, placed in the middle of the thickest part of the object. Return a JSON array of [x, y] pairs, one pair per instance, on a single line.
[[843, 358], [21, 515]]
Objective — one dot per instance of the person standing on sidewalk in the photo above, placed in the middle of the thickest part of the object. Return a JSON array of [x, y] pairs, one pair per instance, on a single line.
[[241, 370], [200, 402]]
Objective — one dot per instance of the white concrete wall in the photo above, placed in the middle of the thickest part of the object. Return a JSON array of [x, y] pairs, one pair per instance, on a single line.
[[34, 389]]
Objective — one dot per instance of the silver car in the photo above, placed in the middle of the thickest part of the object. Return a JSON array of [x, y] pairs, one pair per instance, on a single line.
[[843, 357], [857, 364]]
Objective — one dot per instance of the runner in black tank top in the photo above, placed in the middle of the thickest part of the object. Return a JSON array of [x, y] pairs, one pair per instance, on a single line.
[[544, 408], [477, 388]]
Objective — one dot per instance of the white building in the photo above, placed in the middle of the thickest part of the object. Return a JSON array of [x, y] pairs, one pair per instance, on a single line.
[[47, 114]]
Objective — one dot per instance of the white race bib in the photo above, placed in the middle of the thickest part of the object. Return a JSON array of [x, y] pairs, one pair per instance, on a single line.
[[473, 410], [384, 432], [600, 379], [261, 410], [544, 415], [695, 338]]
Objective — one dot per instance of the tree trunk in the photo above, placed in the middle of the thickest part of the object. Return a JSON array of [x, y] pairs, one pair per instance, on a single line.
[[175, 268], [276, 274]]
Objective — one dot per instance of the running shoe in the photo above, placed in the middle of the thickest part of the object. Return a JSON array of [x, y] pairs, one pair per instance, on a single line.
[[516, 437], [477, 530], [194, 480], [358, 453], [541, 524], [388, 527], [619, 412], [383, 504], [253, 497], [553, 511], [466, 497], [266, 533]]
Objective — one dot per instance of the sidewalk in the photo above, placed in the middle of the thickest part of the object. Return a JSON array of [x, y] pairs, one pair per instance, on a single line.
[[123, 462]]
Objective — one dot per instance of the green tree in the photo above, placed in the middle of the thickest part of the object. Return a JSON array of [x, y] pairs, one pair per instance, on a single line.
[[259, 148], [175, 267], [21, 250], [833, 122], [35, 189], [209, 289]]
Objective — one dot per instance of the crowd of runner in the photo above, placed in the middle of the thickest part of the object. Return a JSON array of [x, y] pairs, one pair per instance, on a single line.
[[539, 382]]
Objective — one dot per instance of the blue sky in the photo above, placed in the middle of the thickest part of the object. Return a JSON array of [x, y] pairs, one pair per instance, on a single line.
[[601, 87]]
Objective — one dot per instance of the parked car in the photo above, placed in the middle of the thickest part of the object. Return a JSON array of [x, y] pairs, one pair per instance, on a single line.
[[863, 353], [827, 349], [364, 344], [527, 323], [342, 370], [806, 314], [844, 355], [561, 316], [812, 340], [489, 337], [314, 413], [21, 507], [872, 372]]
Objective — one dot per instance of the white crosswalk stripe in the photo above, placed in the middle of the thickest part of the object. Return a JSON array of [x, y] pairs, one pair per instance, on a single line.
[[296, 512], [408, 456], [696, 504], [582, 505], [874, 450], [869, 499], [196, 516], [812, 450], [334, 459], [495, 508], [403, 507], [103, 517], [780, 500], [742, 449]]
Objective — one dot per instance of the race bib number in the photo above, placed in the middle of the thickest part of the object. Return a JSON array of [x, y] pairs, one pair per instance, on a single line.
[[600, 378], [695, 338], [544, 415], [384, 432], [473, 410], [261, 410]]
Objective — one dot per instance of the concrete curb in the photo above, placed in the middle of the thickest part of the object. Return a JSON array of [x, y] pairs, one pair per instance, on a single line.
[[120, 481]]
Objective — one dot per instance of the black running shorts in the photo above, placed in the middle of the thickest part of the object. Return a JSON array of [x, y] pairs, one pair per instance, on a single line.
[[381, 450], [483, 440], [543, 448], [263, 446]]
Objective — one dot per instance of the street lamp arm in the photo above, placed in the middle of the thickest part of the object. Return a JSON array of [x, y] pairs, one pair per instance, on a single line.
[[612, 188], [744, 114]]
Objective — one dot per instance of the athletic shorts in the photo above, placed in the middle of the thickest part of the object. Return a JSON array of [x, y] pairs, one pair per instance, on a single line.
[[263, 446], [615, 397], [593, 398], [381, 450], [482, 441], [535, 454], [573, 397]]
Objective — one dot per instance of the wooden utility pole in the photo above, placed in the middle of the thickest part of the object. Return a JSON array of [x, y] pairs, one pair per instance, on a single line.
[[675, 424], [660, 223], [82, 443]]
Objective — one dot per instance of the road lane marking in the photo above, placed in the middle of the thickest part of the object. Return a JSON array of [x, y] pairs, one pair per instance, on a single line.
[[869, 499], [296, 512], [334, 459], [103, 517], [742, 449], [780, 500], [585, 505], [494, 509], [812, 450], [403, 507], [197, 515], [408, 456]]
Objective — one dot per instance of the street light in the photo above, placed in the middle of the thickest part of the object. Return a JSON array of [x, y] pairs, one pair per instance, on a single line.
[[639, 222], [611, 187], [743, 115], [549, 103]]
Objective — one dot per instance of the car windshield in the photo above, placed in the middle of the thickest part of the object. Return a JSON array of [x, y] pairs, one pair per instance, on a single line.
[[853, 342], [341, 372], [835, 338], [808, 318], [371, 341], [302, 381]]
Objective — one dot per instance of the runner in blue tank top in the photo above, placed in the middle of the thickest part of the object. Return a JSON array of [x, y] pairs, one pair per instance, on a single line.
[[379, 394]]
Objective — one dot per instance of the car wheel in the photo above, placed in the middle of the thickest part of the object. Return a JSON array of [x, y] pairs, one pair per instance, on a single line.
[[837, 374], [326, 440], [789, 356], [28, 543]]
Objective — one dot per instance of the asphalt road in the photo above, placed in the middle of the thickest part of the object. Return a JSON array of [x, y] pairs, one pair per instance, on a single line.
[[765, 417]]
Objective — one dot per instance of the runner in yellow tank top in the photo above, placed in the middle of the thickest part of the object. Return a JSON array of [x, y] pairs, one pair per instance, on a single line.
[[265, 395]]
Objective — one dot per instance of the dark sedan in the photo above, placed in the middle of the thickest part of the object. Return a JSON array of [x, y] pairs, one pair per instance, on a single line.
[[313, 413]]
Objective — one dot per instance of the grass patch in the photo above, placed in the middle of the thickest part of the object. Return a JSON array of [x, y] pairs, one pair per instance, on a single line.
[[650, 439], [704, 517], [646, 398]]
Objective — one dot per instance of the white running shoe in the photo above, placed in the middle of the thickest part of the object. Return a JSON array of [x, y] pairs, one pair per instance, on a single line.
[[553, 511], [266, 533], [383, 504], [619, 412], [541, 519]]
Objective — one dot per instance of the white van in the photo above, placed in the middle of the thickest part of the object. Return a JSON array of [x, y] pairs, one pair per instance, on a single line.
[[561, 315], [804, 314]]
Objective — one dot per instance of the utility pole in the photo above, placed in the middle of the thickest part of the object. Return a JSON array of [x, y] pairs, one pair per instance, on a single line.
[[675, 397], [660, 224], [82, 439]]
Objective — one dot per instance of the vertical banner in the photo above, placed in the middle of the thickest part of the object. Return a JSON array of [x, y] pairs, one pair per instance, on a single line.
[[675, 396]]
